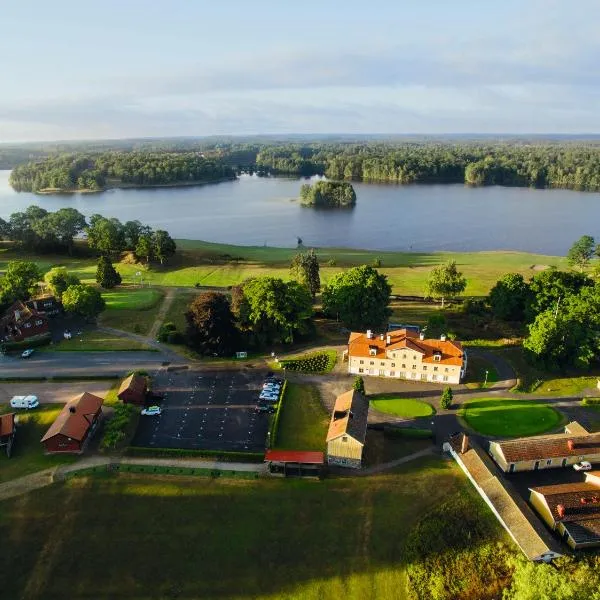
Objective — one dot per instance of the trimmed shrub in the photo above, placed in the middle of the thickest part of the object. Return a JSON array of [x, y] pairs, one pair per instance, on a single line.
[[319, 362]]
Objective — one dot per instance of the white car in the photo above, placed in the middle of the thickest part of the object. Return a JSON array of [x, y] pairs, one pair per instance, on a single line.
[[26, 402], [269, 397], [271, 388], [583, 466], [152, 411], [27, 353]]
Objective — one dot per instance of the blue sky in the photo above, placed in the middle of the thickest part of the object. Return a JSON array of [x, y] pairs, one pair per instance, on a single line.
[[81, 70]]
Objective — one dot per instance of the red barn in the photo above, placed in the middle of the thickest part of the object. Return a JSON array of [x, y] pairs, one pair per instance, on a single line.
[[133, 390], [74, 425], [7, 431]]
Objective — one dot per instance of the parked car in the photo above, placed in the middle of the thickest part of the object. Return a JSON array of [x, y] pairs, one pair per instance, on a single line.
[[262, 408], [273, 380], [583, 466], [269, 397], [151, 411], [271, 387], [27, 353], [26, 402]]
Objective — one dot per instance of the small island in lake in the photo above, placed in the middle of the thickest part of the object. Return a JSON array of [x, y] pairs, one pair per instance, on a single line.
[[328, 194]]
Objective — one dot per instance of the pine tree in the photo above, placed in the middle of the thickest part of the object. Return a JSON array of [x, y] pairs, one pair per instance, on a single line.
[[106, 274], [446, 399], [359, 384]]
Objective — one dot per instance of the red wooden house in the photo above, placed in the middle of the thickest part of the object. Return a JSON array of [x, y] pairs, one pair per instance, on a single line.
[[7, 431], [21, 322], [133, 390], [74, 425]]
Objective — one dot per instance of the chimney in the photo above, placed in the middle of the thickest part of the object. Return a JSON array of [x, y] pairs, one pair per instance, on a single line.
[[443, 337], [560, 509], [369, 334], [72, 409], [571, 445], [17, 315], [465, 443], [421, 336], [388, 339], [382, 337]]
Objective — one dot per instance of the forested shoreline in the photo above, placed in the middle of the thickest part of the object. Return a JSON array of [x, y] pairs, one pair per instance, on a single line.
[[552, 164], [89, 172]]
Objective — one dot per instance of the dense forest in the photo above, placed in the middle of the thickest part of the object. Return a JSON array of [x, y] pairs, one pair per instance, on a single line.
[[555, 163], [67, 172], [328, 194]]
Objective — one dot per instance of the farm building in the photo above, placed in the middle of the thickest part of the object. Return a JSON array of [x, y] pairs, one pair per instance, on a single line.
[[406, 354], [347, 430], [572, 510], [7, 432], [294, 463], [547, 451], [74, 425], [133, 390]]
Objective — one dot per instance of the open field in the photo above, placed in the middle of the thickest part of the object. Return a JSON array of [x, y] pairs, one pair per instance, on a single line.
[[166, 537], [131, 298], [401, 407], [224, 265], [509, 418], [131, 309], [303, 421], [28, 453]]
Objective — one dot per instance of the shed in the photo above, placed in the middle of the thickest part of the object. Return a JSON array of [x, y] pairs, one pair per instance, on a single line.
[[294, 463], [74, 425], [133, 390], [7, 432]]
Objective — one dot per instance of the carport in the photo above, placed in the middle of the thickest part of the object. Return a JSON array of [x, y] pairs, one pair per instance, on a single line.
[[294, 463]]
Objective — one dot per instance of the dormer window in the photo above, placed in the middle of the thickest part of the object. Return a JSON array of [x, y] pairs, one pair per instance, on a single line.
[[372, 350], [437, 356]]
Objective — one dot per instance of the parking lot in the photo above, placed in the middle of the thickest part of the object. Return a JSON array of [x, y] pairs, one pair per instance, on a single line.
[[206, 411]]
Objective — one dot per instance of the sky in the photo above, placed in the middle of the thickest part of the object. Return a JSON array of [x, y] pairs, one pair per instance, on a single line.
[[133, 68]]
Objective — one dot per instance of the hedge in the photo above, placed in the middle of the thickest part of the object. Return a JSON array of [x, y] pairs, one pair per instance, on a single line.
[[179, 452], [318, 362], [591, 402], [275, 422]]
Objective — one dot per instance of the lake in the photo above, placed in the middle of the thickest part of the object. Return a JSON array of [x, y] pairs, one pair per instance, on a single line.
[[258, 210]]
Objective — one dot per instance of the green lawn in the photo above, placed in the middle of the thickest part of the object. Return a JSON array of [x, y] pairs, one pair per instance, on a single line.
[[28, 453], [476, 373], [131, 309], [402, 407], [93, 340], [178, 308], [303, 421], [267, 539], [509, 418], [225, 265], [131, 298], [382, 446]]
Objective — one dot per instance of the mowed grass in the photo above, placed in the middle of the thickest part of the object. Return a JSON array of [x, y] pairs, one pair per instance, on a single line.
[[131, 298], [210, 264], [480, 373], [27, 452], [407, 408], [509, 418], [166, 537], [303, 421], [93, 340], [131, 309]]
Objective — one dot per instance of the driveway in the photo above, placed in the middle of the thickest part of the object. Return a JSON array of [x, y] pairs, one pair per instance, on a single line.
[[50, 393]]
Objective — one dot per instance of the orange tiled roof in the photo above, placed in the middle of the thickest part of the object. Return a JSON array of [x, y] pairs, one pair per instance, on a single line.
[[349, 416], [360, 345], [75, 424]]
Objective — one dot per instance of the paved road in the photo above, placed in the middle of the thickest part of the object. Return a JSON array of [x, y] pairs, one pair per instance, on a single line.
[[67, 364]]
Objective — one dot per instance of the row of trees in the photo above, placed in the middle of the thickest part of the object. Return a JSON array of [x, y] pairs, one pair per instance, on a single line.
[[43, 231], [69, 172], [553, 165]]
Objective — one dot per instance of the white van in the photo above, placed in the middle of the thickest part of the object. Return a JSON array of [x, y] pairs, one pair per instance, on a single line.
[[24, 402]]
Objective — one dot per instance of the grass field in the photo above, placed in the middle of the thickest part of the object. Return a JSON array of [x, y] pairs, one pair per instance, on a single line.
[[224, 265], [509, 418], [131, 309], [303, 421], [476, 373], [165, 537], [28, 453], [92, 340], [407, 408]]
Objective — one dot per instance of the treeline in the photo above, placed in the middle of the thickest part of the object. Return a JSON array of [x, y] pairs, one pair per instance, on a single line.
[[42, 231], [557, 165], [70, 172]]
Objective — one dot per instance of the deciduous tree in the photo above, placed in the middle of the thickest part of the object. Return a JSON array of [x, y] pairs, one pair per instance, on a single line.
[[59, 279], [211, 325], [446, 281], [20, 281], [510, 297], [163, 246], [359, 297], [83, 300], [305, 269], [581, 252]]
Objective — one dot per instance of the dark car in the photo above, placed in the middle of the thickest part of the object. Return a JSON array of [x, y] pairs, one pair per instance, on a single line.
[[261, 408]]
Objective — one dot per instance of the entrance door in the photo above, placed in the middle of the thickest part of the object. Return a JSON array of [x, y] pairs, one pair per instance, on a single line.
[[537, 465]]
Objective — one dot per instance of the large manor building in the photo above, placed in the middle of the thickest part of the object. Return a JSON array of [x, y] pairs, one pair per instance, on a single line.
[[406, 354]]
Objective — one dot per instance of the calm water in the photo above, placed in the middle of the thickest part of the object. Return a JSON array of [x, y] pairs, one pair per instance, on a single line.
[[257, 211]]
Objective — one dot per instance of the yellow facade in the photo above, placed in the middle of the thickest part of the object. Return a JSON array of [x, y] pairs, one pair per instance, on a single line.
[[344, 451]]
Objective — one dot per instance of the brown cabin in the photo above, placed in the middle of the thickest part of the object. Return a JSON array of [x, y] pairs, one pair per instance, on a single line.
[[7, 432], [133, 390], [74, 425], [45, 305], [21, 322]]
